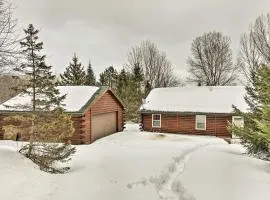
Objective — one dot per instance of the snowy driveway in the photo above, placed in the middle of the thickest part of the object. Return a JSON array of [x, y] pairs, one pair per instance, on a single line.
[[141, 166]]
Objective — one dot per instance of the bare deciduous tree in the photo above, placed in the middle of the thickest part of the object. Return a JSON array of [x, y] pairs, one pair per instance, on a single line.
[[8, 36], [261, 36], [255, 46], [156, 67], [249, 58], [211, 62]]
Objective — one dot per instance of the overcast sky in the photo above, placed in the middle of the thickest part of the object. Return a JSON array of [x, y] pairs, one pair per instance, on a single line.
[[104, 30]]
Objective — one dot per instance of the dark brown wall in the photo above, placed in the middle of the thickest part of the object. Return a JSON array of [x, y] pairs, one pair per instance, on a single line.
[[216, 125]]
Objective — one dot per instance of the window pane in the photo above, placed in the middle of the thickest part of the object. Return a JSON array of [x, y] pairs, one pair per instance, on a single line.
[[156, 117], [200, 118], [200, 121], [201, 125], [156, 123]]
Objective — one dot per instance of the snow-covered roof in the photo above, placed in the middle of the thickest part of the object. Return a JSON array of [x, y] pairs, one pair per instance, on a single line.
[[204, 99], [76, 98]]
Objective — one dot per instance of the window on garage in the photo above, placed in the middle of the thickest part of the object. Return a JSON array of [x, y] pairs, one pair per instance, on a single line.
[[200, 122], [156, 120]]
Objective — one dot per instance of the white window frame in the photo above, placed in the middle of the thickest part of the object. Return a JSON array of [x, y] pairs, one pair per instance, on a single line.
[[156, 120], [197, 124], [233, 119]]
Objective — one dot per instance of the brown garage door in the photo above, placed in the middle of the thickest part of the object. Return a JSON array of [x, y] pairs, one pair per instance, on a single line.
[[103, 125]]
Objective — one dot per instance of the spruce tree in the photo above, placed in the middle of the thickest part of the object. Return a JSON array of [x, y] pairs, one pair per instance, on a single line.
[[138, 78], [263, 121], [74, 73], [138, 73], [127, 90], [90, 76], [44, 120], [109, 77], [256, 133], [122, 83], [147, 88]]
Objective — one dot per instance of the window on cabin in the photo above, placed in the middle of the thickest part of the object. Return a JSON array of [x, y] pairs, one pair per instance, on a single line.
[[238, 121], [156, 120], [200, 122]]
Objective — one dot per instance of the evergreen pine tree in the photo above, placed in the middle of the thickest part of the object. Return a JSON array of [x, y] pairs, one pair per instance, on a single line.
[[129, 92], [122, 82], [256, 135], [131, 101], [90, 76], [263, 122], [138, 73], [74, 74], [45, 121], [109, 77], [138, 78], [147, 88]]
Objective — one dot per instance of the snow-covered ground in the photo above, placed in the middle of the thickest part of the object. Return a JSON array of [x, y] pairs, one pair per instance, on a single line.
[[141, 165]]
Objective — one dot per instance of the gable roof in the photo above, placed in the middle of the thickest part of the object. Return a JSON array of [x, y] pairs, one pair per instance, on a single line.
[[99, 93], [204, 99], [77, 99]]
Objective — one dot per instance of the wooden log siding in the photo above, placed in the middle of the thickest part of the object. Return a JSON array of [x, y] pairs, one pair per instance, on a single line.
[[216, 125], [78, 124], [1, 127]]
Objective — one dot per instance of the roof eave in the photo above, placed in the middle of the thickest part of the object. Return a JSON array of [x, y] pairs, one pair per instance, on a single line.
[[21, 112], [184, 112]]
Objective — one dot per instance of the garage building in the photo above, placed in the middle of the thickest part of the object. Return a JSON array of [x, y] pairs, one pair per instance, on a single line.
[[96, 112]]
